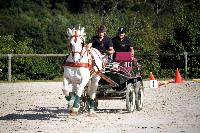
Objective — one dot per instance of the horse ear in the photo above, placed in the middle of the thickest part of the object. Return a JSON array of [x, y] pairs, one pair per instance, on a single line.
[[78, 32], [69, 32], [83, 31]]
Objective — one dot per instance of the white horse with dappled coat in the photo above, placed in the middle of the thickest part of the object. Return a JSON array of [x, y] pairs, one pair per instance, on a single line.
[[80, 69]]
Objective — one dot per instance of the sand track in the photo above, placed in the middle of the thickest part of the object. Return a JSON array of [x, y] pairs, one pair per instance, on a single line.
[[40, 107]]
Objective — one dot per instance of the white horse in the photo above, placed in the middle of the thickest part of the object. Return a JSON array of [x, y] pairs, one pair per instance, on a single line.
[[80, 69]]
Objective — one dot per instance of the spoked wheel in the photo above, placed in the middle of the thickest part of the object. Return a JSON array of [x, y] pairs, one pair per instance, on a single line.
[[139, 95], [96, 104], [84, 105], [130, 98]]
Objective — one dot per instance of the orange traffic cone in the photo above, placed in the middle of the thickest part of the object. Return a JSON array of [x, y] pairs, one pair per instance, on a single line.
[[178, 77], [151, 77], [153, 82]]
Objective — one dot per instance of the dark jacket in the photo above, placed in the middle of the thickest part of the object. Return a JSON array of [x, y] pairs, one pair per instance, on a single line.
[[122, 46], [103, 45]]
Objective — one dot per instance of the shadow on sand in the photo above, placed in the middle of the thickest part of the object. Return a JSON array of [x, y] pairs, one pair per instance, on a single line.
[[46, 113], [39, 113]]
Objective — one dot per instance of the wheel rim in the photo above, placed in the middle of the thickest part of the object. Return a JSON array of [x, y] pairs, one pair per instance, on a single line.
[[139, 96], [130, 98]]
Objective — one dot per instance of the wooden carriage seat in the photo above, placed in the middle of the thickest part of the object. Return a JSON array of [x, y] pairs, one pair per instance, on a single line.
[[126, 59]]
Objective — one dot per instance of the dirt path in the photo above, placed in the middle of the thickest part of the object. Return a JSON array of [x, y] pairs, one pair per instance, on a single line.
[[30, 108]]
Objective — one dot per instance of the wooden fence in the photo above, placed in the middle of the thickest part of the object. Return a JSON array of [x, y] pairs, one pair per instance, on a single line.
[[10, 56]]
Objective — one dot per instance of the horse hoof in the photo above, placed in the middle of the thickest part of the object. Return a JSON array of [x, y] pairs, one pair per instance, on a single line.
[[74, 113], [93, 114]]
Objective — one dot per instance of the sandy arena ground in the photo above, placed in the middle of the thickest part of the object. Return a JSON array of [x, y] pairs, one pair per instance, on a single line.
[[34, 107]]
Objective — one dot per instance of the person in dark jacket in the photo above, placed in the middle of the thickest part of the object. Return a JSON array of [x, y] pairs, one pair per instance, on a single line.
[[122, 43], [102, 42]]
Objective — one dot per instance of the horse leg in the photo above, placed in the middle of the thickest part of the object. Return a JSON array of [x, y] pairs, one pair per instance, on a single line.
[[92, 94], [69, 95], [76, 105], [79, 93]]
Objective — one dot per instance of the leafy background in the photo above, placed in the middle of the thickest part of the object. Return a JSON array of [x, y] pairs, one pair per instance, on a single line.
[[155, 26]]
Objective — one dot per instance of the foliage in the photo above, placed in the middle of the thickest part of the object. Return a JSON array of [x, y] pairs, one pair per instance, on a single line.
[[155, 26], [25, 68], [9, 46]]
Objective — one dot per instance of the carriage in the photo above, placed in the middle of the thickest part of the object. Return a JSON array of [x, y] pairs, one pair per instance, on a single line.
[[87, 80], [120, 80]]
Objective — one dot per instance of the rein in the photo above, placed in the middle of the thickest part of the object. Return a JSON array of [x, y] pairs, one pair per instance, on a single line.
[[99, 72], [91, 65], [91, 62]]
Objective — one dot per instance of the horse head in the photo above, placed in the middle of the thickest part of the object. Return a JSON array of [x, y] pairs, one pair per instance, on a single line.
[[76, 39]]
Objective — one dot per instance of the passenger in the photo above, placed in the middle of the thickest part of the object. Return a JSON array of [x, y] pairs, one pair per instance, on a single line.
[[102, 42], [122, 43]]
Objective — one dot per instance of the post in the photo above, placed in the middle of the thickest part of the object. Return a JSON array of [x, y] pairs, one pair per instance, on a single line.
[[9, 67], [186, 60]]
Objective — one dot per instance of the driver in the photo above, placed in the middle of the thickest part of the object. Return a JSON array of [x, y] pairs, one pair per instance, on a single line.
[[102, 42]]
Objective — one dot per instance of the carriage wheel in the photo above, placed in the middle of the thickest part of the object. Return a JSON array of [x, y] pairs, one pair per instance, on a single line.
[[139, 95], [96, 104], [84, 105], [130, 98]]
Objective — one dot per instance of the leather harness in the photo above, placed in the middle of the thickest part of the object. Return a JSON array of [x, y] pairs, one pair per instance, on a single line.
[[92, 70]]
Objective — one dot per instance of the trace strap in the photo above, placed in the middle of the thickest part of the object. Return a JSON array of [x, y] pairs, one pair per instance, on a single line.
[[113, 83], [99, 72]]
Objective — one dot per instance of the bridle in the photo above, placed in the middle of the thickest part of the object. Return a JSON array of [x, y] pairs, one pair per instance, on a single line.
[[75, 36]]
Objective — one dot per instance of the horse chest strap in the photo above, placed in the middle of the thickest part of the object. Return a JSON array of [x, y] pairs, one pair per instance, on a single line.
[[72, 64]]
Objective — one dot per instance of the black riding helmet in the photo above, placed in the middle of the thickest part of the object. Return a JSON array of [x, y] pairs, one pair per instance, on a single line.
[[121, 30]]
